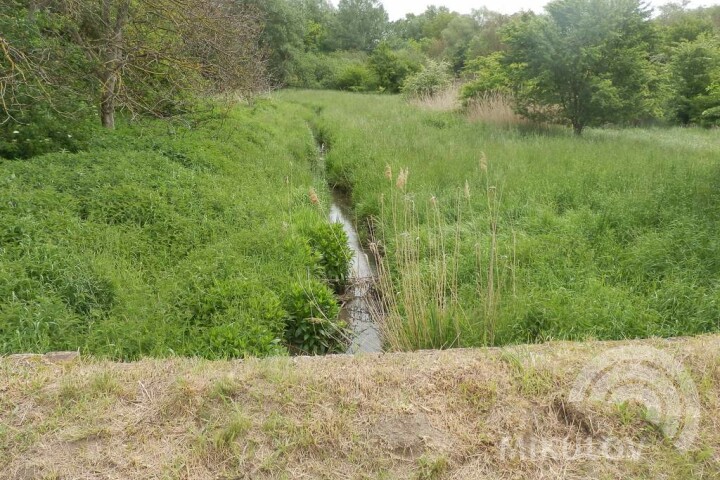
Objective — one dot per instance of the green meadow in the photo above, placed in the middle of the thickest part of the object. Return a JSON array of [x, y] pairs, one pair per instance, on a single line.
[[511, 235], [203, 239]]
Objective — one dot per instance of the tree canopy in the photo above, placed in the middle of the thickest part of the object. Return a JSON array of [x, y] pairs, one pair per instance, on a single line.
[[580, 63], [359, 25], [586, 62]]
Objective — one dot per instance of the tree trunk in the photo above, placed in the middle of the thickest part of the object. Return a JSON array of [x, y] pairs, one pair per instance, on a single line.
[[107, 117], [107, 101], [112, 58], [578, 128], [107, 109]]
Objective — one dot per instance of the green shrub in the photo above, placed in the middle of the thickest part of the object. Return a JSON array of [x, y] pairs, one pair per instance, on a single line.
[[487, 76], [392, 67], [41, 110], [330, 242], [239, 339], [39, 131], [432, 79], [711, 117], [312, 326], [356, 78], [338, 71]]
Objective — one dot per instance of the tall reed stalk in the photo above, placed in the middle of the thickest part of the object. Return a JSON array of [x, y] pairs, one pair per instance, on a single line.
[[447, 100], [418, 253], [495, 108]]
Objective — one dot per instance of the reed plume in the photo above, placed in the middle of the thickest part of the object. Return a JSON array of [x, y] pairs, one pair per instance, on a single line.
[[402, 179], [314, 197]]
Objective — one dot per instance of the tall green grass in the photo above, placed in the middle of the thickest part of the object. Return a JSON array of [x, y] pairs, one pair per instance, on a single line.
[[615, 235], [162, 240], [205, 239]]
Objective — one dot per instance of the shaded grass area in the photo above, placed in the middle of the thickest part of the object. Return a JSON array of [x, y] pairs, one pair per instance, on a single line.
[[518, 235], [433, 415], [162, 240]]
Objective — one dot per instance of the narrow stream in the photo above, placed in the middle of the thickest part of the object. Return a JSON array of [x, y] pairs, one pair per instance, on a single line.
[[366, 335]]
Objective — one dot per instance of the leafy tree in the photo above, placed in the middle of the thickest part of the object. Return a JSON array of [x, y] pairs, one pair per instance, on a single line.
[[694, 69], [283, 35], [585, 62], [391, 67], [678, 24], [428, 25], [488, 40], [437, 19], [488, 76], [449, 36], [457, 37], [317, 16], [359, 25], [291, 30]]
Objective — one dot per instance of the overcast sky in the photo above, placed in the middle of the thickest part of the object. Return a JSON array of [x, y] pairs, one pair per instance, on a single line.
[[398, 8]]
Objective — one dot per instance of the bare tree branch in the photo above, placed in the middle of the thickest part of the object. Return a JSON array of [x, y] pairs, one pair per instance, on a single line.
[[147, 57]]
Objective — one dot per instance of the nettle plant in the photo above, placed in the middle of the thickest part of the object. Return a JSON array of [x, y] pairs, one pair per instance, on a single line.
[[329, 241], [312, 327]]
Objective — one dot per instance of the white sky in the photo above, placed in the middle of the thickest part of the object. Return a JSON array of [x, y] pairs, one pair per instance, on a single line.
[[398, 8]]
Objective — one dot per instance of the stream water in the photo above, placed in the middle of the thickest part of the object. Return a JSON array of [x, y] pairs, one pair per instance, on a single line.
[[356, 311]]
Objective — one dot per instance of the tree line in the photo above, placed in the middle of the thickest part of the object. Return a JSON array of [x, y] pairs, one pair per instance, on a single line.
[[581, 62]]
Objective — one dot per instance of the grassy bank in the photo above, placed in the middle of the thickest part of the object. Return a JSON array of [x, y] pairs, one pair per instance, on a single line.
[[212, 239], [498, 236], [429, 416], [170, 240]]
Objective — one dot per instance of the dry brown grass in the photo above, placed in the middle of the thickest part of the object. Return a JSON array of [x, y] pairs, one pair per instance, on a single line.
[[494, 108], [446, 101], [424, 415]]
